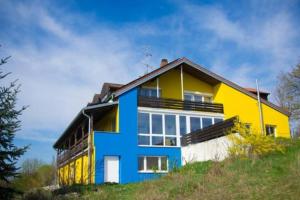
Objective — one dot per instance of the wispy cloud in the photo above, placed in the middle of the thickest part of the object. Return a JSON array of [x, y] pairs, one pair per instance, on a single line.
[[62, 69], [62, 58]]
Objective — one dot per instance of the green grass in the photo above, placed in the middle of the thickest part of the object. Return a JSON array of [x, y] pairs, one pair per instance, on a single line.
[[274, 176]]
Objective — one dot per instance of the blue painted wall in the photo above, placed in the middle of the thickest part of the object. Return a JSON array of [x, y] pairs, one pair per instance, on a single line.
[[125, 145]]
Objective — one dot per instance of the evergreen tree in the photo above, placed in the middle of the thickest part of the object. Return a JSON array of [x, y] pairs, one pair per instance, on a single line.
[[9, 125]]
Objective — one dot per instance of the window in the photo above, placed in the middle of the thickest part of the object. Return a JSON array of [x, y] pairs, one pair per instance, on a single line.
[[157, 140], [248, 128], [270, 130], [182, 123], [206, 122], [153, 164], [195, 123], [217, 120], [190, 96], [144, 140], [143, 121], [156, 124], [143, 128], [163, 130], [149, 92], [170, 124]]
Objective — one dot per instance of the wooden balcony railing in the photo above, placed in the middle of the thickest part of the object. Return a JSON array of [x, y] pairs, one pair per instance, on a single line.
[[80, 146], [214, 131], [154, 102]]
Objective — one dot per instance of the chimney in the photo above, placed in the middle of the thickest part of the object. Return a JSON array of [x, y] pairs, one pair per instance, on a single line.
[[163, 62]]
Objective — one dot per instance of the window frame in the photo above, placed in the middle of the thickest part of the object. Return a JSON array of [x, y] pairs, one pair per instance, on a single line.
[[195, 93], [150, 89], [271, 126], [177, 115], [145, 170]]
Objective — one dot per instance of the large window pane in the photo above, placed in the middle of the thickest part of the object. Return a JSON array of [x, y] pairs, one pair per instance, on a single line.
[[170, 124], [197, 98], [153, 93], [171, 141], [164, 163], [182, 125], [157, 140], [143, 140], [206, 122], [195, 123], [143, 123], [207, 99], [152, 163], [188, 97], [217, 120], [141, 164], [156, 124]]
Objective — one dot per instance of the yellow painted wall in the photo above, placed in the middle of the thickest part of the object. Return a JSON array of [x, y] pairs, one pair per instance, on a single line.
[[234, 101], [246, 107], [170, 84], [74, 168], [106, 122]]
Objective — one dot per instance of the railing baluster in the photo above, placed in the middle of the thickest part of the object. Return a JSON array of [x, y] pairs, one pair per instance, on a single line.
[[179, 104]]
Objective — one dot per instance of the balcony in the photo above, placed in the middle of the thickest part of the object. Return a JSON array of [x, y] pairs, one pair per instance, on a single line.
[[74, 150], [154, 102]]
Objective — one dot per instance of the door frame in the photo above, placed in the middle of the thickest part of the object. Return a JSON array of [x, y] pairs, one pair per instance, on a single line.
[[104, 171]]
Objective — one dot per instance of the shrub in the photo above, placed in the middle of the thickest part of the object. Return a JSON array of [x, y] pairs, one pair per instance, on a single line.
[[37, 194], [249, 143]]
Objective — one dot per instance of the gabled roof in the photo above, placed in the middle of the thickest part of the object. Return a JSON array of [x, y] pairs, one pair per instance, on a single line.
[[187, 63], [254, 90], [107, 88]]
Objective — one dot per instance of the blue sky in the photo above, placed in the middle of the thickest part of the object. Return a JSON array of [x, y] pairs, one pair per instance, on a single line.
[[62, 51]]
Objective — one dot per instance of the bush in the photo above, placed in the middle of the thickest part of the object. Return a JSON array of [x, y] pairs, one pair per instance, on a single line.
[[249, 143], [37, 194]]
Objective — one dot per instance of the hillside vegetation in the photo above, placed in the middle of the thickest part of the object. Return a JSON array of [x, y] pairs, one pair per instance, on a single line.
[[272, 176]]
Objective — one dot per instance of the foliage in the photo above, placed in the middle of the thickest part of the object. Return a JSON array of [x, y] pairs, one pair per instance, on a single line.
[[37, 194], [271, 177], [40, 176], [30, 166], [248, 143], [288, 94], [9, 125]]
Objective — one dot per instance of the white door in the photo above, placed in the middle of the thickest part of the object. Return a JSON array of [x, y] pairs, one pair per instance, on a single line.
[[111, 169]]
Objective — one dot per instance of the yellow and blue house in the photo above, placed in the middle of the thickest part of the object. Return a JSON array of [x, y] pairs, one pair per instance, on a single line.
[[133, 132]]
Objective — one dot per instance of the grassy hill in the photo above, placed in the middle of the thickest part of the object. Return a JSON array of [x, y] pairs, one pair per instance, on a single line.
[[274, 176]]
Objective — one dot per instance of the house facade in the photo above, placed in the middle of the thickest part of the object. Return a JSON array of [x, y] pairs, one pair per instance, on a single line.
[[133, 132]]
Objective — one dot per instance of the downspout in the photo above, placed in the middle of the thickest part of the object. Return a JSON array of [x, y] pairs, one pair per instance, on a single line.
[[260, 110], [89, 144]]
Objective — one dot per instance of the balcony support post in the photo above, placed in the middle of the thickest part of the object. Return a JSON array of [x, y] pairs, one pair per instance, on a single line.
[[157, 87]]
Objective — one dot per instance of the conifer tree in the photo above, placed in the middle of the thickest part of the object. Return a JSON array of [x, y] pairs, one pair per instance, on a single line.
[[9, 125]]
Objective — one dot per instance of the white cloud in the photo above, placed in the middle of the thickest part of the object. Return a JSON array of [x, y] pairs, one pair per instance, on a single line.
[[61, 72], [275, 37], [63, 58]]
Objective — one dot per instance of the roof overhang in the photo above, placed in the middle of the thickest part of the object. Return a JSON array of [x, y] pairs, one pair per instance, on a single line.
[[99, 108], [197, 70]]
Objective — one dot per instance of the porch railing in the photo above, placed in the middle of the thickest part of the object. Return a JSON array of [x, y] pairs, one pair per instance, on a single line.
[[214, 131], [73, 151], [154, 102]]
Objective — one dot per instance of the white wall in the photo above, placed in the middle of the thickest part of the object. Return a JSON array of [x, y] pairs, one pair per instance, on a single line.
[[215, 149]]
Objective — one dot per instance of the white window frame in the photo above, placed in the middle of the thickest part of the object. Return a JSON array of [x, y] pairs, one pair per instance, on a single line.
[[203, 95], [145, 170], [187, 114], [153, 88]]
